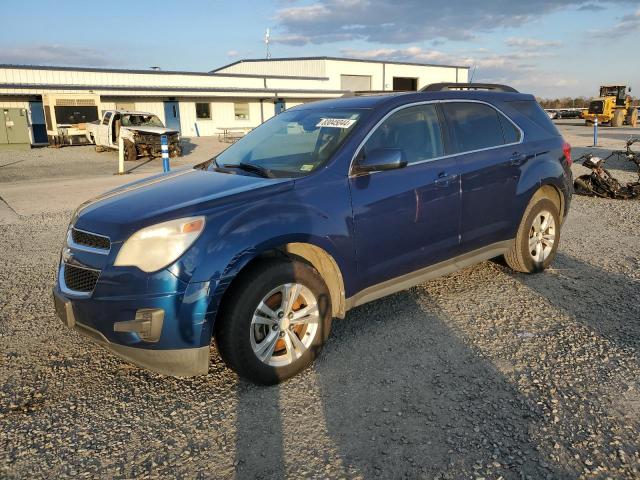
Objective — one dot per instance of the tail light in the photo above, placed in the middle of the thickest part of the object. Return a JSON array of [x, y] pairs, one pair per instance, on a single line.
[[566, 149]]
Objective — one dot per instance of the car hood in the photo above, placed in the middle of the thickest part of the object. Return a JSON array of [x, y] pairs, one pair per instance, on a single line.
[[120, 212], [155, 130]]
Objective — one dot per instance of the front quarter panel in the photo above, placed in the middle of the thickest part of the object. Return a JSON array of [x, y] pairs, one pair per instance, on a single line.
[[316, 211]]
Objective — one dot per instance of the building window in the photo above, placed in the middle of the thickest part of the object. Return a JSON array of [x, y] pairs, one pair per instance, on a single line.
[[203, 111], [355, 83], [241, 111]]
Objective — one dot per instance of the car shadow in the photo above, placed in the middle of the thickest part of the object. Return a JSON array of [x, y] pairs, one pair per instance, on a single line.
[[187, 145], [401, 396], [593, 297]]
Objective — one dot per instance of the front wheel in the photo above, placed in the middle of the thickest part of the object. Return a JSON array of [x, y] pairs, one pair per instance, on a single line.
[[130, 152], [536, 242], [274, 321]]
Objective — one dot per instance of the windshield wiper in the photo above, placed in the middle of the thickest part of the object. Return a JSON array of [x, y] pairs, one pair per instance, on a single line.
[[249, 167]]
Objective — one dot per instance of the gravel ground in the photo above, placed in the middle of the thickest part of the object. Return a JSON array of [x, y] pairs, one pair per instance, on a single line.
[[481, 374]]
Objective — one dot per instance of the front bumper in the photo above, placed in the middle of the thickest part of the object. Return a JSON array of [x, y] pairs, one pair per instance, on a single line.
[[155, 149], [98, 320]]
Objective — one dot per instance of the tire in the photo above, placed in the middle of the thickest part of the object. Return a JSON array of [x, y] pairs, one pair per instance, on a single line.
[[618, 118], [632, 120], [582, 185], [240, 339], [520, 257], [130, 152]]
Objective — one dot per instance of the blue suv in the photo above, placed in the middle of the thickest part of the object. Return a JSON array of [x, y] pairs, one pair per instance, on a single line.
[[322, 208]]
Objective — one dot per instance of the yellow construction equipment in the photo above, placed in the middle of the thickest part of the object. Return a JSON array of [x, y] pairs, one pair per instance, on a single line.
[[612, 107]]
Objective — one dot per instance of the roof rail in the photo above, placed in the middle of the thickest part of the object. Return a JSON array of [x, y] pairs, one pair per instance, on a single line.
[[366, 93], [440, 87]]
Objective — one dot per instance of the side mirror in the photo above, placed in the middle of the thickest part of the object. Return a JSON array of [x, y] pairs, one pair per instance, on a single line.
[[381, 159]]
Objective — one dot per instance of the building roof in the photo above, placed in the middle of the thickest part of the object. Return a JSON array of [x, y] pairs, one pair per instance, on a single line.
[[339, 59], [152, 72]]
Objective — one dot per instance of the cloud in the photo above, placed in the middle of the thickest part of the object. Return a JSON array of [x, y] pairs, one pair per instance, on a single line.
[[410, 21], [233, 53], [520, 68], [590, 7], [55, 55], [531, 43], [627, 23]]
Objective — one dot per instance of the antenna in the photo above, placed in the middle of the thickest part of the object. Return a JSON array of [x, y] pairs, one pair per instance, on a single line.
[[473, 73], [266, 42]]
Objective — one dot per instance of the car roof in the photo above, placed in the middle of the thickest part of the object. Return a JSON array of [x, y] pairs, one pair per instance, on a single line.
[[132, 112], [400, 98]]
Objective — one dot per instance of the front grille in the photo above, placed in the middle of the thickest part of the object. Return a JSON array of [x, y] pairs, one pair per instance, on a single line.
[[80, 279], [90, 239]]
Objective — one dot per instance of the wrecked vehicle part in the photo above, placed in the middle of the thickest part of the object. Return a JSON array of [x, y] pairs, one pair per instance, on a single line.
[[141, 132], [600, 182]]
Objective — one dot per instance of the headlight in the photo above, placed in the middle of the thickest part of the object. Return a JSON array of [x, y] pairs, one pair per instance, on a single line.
[[157, 246]]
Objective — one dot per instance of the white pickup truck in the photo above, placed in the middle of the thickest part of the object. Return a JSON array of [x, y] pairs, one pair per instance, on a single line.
[[140, 131]]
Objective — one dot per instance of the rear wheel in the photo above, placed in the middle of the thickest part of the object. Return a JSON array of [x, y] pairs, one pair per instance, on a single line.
[[618, 118], [536, 242], [632, 120], [274, 321]]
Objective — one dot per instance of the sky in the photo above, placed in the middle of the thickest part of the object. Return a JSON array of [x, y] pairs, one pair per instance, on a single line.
[[551, 48]]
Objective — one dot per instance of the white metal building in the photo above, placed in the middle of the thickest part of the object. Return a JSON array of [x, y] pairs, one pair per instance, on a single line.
[[240, 95]]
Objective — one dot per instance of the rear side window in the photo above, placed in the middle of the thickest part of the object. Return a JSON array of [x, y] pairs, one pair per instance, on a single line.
[[534, 112], [509, 131], [474, 126], [416, 130]]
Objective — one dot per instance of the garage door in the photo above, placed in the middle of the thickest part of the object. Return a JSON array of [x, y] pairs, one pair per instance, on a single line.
[[355, 83]]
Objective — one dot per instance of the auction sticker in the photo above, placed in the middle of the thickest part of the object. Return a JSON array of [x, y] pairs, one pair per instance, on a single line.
[[336, 122]]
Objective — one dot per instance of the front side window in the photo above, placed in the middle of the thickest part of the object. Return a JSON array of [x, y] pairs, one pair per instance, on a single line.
[[415, 130], [203, 111], [291, 144], [474, 126]]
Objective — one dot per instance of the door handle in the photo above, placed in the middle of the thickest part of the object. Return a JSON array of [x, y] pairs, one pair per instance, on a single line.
[[517, 159], [444, 179]]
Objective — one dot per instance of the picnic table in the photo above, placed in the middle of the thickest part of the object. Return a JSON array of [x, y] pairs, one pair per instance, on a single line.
[[232, 134]]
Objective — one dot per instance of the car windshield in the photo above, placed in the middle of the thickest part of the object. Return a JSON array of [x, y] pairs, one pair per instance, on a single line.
[[138, 120], [291, 144]]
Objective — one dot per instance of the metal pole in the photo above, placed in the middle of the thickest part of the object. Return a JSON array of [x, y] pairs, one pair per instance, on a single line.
[[164, 146], [120, 156], [595, 131]]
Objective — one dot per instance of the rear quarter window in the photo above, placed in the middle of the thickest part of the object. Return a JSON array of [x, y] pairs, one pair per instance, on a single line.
[[534, 112], [474, 126]]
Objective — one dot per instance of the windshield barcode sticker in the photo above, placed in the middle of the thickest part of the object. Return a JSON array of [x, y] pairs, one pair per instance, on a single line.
[[336, 122]]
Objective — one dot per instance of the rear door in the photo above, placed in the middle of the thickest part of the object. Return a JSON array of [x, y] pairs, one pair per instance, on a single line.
[[490, 154], [407, 218]]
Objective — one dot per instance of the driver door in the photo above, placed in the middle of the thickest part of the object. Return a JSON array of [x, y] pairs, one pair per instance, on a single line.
[[408, 218]]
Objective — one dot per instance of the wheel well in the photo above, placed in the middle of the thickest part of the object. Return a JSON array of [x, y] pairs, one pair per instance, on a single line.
[[552, 193], [319, 259]]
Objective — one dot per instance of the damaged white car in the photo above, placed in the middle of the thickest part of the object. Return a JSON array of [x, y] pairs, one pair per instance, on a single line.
[[141, 133]]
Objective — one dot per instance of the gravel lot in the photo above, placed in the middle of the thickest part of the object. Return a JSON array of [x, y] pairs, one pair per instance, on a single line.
[[481, 374]]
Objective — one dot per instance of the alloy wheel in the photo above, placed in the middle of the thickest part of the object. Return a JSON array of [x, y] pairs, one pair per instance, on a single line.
[[284, 324], [542, 236]]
